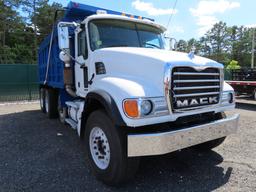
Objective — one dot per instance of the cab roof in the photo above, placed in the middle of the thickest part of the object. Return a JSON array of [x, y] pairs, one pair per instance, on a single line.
[[78, 11]]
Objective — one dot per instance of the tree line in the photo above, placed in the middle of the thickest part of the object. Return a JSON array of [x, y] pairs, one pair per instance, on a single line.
[[25, 23], [225, 44]]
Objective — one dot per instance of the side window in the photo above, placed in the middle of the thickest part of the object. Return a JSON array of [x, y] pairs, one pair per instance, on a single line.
[[82, 44]]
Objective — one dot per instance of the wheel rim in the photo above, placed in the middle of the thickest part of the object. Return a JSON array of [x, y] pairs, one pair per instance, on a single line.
[[99, 148], [47, 102], [41, 98]]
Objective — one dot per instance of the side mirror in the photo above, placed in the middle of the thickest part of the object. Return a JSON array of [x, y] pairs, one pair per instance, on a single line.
[[63, 36], [172, 42]]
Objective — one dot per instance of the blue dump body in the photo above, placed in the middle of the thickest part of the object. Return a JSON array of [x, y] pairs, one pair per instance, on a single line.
[[74, 12]]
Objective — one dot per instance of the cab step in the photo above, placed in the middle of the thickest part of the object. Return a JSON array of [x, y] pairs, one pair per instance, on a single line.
[[72, 123], [73, 104]]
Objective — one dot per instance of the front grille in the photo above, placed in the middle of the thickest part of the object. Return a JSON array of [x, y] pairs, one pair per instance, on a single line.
[[191, 89]]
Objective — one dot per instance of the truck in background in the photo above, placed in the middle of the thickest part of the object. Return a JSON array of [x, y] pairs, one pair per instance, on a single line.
[[244, 81], [109, 76]]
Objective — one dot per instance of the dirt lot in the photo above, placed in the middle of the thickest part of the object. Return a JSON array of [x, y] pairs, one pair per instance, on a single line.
[[38, 154]]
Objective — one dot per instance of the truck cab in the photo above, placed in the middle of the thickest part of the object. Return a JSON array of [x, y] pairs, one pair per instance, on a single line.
[[110, 77]]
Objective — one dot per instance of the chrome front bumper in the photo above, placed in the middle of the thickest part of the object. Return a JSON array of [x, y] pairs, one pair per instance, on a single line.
[[166, 142]]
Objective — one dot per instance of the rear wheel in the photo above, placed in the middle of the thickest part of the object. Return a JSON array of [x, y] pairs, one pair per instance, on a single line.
[[51, 103], [42, 99], [62, 111], [106, 150]]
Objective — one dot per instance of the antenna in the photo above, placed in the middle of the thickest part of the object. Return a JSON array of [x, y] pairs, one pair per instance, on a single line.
[[171, 16], [253, 46]]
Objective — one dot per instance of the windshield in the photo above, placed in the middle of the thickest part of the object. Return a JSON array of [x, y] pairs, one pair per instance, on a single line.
[[118, 33]]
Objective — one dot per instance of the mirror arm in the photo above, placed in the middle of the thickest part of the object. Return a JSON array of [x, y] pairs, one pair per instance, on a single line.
[[73, 59], [68, 24], [82, 66]]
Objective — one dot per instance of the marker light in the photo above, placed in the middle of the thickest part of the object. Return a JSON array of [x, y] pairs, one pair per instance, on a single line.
[[131, 108], [101, 12]]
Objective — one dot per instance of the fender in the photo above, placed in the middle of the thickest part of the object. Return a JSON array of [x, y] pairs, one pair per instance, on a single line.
[[107, 102]]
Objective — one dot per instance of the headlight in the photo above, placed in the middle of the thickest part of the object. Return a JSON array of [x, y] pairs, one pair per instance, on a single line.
[[145, 107]]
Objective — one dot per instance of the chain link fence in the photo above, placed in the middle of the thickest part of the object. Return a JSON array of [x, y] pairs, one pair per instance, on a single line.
[[18, 82]]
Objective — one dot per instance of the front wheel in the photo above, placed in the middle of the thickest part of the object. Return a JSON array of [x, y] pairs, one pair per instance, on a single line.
[[106, 150]]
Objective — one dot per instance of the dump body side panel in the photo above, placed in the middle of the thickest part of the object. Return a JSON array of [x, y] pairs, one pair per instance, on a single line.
[[55, 74]]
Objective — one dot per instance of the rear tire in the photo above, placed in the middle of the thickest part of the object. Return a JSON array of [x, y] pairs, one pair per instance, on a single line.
[[62, 111], [106, 150], [51, 103], [42, 99]]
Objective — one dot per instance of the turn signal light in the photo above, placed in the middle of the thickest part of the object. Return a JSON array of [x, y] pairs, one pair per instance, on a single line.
[[131, 108]]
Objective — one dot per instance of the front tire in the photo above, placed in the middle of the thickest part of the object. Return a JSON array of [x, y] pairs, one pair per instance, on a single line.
[[106, 150]]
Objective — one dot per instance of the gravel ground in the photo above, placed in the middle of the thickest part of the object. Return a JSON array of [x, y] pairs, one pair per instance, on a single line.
[[38, 154]]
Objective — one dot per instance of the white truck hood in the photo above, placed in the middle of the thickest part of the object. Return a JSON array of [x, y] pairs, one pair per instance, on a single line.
[[143, 68], [161, 55]]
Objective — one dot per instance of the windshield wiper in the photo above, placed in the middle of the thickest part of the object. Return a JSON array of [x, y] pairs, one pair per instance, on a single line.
[[120, 45]]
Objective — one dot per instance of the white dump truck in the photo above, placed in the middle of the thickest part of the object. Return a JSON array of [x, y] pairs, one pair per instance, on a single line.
[[110, 77]]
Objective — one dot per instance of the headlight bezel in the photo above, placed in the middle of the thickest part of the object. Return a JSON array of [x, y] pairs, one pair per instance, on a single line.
[[158, 107]]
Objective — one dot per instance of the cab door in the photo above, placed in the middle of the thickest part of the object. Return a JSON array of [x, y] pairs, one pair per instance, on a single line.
[[81, 65]]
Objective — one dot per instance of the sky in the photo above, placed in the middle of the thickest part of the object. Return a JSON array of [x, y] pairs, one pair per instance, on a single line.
[[189, 19]]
